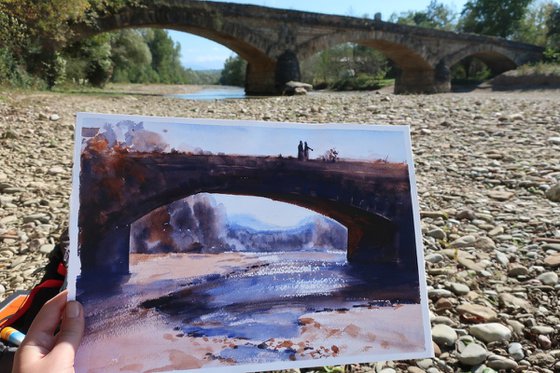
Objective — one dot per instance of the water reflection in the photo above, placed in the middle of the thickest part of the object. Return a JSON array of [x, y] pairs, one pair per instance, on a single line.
[[213, 93]]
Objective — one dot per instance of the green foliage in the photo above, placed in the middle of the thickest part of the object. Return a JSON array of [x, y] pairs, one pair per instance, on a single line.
[[533, 27], [234, 71], [553, 28], [493, 17], [470, 71], [437, 16], [345, 67]]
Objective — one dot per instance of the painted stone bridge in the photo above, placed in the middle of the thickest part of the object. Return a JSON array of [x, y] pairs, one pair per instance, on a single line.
[[275, 41], [371, 199]]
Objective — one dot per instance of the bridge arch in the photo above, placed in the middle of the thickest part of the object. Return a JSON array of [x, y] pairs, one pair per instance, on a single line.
[[249, 44], [378, 221], [496, 58]]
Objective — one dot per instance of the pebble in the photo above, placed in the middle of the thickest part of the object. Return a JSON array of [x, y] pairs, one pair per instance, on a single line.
[[500, 195], [444, 335], [473, 354], [459, 289], [476, 312], [500, 362], [437, 233], [433, 258], [517, 270], [491, 332], [464, 241], [553, 193], [46, 249], [515, 351], [548, 278], [552, 260]]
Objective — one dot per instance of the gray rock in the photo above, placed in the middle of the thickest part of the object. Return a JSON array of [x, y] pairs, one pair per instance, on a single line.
[[542, 329], [387, 370], [439, 293], [491, 332], [516, 270], [515, 351], [444, 335], [553, 193], [500, 195], [46, 249], [54, 117], [500, 362], [464, 241], [437, 233], [485, 243], [554, 140], [433, 258], [56, 170], [548, 278], [459, 289], [502, 258], [425, 363], [473, 354]]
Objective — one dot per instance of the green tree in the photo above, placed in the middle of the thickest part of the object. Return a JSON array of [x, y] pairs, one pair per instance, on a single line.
[[31, 30], [90, 60], [233, 72], [165, 57], [552, 53], [436, 15], [132, 58], [534, 27], [493, 17]]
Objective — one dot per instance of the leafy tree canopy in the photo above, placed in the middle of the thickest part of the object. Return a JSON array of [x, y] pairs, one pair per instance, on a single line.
[[493, 17], [436, 15]]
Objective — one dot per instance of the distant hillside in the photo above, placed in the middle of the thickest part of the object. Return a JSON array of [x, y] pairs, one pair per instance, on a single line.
[[199, 224]]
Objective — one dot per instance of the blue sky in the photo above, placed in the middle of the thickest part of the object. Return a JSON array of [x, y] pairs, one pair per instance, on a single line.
[[200, 54]]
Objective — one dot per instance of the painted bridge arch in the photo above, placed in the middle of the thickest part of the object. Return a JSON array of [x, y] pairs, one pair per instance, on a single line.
[[373, 203], [273, 41]]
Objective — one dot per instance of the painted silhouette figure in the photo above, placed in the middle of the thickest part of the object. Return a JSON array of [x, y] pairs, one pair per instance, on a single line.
[[306, 150], [300, 151]]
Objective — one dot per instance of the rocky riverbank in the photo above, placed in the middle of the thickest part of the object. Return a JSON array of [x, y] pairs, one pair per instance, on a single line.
[[486, 165]]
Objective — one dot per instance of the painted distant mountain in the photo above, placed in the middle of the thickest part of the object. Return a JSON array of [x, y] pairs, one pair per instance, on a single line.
[[249, 221], [316, 233], [198, 224]]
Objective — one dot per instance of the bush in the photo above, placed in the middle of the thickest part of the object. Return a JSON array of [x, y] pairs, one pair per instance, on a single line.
[[12, 72], [360, 82]]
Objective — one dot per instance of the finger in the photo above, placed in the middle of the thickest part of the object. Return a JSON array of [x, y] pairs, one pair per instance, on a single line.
[[70, 334], [41, 331]]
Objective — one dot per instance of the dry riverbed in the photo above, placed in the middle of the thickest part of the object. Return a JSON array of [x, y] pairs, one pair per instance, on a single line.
[[485, 165]]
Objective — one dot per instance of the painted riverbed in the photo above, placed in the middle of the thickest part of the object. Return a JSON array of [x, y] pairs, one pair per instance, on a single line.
[[205, 310]]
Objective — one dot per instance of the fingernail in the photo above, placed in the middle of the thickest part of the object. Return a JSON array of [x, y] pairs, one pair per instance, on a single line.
[[72, 310]]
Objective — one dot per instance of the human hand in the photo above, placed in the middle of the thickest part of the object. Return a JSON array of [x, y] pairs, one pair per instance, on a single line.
[[44, 351]]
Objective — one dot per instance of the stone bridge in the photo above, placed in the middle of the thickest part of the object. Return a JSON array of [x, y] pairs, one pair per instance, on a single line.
[[275, 41], [371, 199]]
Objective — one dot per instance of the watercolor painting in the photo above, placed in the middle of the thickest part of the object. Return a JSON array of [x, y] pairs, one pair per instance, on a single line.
[[234, 246]]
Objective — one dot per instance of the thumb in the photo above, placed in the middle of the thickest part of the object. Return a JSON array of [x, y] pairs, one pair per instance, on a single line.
[[70, 333]]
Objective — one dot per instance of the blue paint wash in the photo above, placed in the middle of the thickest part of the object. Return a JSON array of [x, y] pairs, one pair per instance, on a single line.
[[266, 301]]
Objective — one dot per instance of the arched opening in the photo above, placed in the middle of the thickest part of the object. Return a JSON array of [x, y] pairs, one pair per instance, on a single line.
[[217, 223], [468, 70]]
